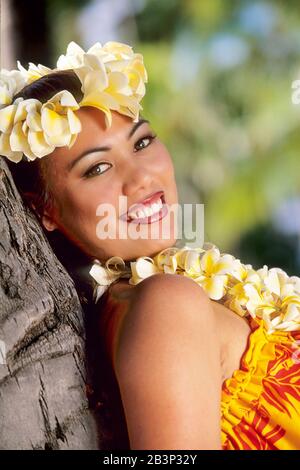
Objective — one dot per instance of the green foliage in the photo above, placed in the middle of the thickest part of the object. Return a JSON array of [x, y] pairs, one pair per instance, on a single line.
[[219, 95]]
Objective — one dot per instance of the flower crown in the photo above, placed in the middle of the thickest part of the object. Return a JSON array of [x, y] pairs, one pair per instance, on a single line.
[[268, 294], [112, 76]]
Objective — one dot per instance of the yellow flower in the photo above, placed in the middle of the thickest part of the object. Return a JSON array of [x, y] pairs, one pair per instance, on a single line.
[[179, 260], [20, 124], [167, 260], [112, 77], [276, 301], [216, 269], [120, 91], [236, 297], [5, 149], [34, 129], [11, 81], [34, 72], [59, 122], [7, 116]]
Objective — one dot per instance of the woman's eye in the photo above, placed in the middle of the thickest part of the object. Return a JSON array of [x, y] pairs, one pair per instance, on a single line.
[[141, 144], [144, 142], [96, 170]]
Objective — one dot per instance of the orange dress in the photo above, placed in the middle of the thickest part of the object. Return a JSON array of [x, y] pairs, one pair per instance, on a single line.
[[260, 403]]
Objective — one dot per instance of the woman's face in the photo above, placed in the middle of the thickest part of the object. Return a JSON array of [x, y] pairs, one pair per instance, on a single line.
[[102, 165]]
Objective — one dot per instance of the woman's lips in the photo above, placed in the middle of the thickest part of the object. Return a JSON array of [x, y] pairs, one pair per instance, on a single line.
[[147, 203], [152, 218]]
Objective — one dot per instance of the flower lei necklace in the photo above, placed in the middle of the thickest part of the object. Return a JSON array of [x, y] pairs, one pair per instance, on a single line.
[[269, 294]]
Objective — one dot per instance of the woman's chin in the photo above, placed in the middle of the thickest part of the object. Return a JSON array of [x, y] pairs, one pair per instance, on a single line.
[[155, 247], [130, 252]]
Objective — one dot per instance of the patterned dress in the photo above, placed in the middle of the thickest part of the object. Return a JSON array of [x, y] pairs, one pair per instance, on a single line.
[[260, 405]]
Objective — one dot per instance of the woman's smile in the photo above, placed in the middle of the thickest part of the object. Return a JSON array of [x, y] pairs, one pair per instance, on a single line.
[[148, 211]]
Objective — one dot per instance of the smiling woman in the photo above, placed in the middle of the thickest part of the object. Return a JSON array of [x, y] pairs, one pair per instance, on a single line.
[[204, 351], [131, 163], [125, 160]]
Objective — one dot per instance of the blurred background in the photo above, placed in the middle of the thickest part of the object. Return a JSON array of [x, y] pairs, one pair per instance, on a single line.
[[219, 96]]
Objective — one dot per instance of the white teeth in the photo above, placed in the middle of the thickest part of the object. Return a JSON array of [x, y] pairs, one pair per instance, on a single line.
[[147, 211]]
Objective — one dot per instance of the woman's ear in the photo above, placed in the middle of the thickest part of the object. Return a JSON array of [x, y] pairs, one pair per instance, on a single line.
[[48, 222], [43, 213]]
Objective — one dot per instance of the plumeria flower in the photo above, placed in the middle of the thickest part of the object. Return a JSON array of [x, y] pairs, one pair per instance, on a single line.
[[276, 302], [59, 122], [116, 90], [236, 297], [27, 134], [11, 82], [111, 51], [35, 129], [105, 275], [141, 269], [215, 271], [168, 260], [112, 77], [34, 72], [72, 59], [18, 124], [6, 150]]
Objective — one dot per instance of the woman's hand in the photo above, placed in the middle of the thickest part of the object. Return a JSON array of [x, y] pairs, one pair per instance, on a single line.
[[168, 366]]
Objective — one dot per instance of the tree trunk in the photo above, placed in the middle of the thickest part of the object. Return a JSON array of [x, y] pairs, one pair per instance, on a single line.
[[43, 403]]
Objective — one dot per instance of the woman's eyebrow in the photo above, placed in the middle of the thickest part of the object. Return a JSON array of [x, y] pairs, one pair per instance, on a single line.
[[104, 149]]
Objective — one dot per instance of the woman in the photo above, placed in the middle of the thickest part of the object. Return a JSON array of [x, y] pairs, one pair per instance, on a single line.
[[209, 364]]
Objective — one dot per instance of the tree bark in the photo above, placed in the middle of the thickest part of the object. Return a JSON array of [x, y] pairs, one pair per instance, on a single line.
[[43, 402]]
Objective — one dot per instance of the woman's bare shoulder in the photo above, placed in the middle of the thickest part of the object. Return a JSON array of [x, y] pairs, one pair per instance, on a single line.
[[169, 297], [164, 301], [161, 297], [154, 287], [175, 295], [166, 286]]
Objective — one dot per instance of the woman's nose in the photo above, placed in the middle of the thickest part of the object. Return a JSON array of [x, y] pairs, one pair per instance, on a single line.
[[136, 179]]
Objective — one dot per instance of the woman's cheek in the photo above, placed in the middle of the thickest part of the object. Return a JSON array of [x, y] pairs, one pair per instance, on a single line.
[[168, 167]]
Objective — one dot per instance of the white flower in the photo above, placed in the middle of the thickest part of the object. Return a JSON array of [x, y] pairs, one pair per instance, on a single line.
[[269, 294], [11, 82], [216, 269], [58, 120], [276, 300], [34, 72], [141, 269]]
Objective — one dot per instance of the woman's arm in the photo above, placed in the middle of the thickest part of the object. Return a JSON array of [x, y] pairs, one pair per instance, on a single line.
[[168, 366]]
